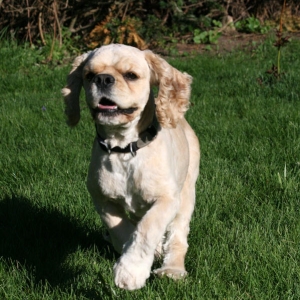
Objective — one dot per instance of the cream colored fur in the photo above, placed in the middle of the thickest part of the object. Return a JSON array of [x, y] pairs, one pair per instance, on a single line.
[[146, 201]]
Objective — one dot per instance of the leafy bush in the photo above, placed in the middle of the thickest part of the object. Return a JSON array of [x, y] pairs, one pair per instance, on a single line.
[[208, 36], [150, 23], [251, 25]]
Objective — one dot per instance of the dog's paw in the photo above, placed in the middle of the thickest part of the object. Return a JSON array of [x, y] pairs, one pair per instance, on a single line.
[[175, 274], [130, 276]]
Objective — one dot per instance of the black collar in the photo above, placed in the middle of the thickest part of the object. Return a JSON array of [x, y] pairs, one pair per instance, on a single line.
[[146, 137]]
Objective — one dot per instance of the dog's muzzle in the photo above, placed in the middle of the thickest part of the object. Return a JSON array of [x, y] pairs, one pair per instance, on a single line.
[[106, 106]]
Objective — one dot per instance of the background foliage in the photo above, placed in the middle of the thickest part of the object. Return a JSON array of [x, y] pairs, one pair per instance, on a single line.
[[140, 23]]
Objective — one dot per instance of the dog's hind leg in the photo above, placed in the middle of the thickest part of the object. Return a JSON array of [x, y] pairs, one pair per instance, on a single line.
[[175, 246]]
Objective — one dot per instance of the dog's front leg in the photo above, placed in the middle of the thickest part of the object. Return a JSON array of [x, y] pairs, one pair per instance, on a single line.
[[119, 226], [134, 266]]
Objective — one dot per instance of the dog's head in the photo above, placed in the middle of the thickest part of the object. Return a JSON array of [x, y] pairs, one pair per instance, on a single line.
[[117, 80]]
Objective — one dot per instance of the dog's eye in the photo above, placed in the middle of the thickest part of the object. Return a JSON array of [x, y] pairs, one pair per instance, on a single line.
[[130, 76], [89, 76]]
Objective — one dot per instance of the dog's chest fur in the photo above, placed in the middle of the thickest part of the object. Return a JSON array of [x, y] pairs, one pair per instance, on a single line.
[[120, 180]]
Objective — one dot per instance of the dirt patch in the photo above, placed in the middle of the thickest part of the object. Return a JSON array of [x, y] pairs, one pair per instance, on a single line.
[[229, 43]]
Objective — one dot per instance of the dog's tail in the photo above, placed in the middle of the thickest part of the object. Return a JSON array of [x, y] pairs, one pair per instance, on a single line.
[[72, 90]]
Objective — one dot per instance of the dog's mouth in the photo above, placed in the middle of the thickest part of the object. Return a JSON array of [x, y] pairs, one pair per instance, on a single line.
[[106, 104], [107, 107]]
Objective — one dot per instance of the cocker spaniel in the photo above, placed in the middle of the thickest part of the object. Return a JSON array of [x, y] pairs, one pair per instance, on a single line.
[[145, 157]]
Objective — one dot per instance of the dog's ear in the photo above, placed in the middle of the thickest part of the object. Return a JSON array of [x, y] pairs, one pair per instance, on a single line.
[[174, 90], [72, 90]]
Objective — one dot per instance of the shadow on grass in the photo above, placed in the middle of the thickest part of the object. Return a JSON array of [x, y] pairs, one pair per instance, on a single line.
[[41, 239]]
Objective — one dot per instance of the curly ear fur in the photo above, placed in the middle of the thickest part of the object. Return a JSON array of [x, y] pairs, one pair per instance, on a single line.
[[174, 90], [72, 90]]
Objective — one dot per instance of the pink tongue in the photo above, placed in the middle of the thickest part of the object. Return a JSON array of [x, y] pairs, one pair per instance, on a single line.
[[101, 106]]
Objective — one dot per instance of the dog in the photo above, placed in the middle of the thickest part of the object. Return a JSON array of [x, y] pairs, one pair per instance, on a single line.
[[145, 157]]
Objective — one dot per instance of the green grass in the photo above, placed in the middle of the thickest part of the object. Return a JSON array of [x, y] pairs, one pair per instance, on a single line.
[[245, 232]]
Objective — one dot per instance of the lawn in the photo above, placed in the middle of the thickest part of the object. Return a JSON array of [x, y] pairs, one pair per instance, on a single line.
[[245, 232]]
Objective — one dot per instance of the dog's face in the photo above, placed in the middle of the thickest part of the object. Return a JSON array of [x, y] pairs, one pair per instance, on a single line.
[[116, 80]]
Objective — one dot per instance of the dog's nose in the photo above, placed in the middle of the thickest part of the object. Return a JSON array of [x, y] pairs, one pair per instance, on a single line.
[[104, 80]]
